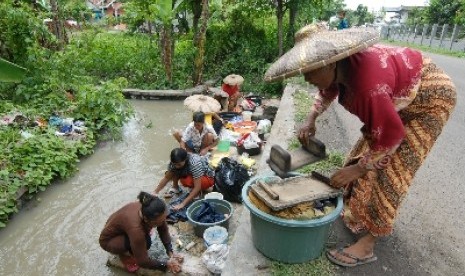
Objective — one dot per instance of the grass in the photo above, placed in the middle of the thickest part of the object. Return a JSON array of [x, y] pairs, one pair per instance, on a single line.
[[434, 50], [320, 266], [302, 104]]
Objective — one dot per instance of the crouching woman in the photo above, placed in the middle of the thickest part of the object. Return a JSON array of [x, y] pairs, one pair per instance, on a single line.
[[127, 234]]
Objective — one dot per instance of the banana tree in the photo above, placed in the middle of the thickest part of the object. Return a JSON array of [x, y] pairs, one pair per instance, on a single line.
[[165, 11], [10, 72], [199, 43]]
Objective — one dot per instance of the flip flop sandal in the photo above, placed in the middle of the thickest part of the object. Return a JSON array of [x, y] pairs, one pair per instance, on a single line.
[[358, 261], [172, 192]]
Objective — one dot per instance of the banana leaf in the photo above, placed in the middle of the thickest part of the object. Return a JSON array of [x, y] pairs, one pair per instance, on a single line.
[[10, 72]]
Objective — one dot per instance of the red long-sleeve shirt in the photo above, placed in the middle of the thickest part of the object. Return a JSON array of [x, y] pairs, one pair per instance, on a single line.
[[382, 80]]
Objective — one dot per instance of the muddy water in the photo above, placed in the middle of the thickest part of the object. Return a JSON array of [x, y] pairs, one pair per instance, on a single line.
[[57, 232]]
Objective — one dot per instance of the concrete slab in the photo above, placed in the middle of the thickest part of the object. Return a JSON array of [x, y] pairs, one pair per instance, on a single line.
[[243, 258]]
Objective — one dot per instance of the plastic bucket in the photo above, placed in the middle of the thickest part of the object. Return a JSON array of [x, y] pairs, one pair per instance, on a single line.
[[288, 241], [214, 195], [223, 146], [247, 115], [215, 235], [220, 205]]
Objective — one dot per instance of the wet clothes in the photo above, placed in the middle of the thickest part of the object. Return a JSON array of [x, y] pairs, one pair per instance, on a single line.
[[207, 213], [126, 231]]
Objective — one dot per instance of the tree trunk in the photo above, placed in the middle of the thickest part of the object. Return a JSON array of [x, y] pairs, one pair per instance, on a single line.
[[293, 10], [200, 44], [166, 39], [197, 11], [57, 25], [279, 15]]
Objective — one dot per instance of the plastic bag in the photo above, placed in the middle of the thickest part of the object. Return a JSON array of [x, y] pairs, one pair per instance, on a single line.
[[215, 257], [264, 126], [248, 105], [230, 177]]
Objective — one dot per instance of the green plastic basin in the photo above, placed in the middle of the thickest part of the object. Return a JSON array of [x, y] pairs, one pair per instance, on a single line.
[[284, 240]]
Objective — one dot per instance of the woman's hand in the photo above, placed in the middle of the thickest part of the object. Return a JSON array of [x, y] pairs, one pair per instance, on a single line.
[[177, 257], [173, 266], [203, 151], [346, 175], [306, 131], [178, 207]]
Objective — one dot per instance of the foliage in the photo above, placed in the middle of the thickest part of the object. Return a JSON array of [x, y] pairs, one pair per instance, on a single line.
[[76, 9], [361, 16], [240, 46], [460, 14], [320, 266], [31, 164], [21, 29], [444, 11], [107, 56], [93, 101]]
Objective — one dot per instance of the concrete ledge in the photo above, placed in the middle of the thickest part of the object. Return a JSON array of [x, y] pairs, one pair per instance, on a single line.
[[243, 258]]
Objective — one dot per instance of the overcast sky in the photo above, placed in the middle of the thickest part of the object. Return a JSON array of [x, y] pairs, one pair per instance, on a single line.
[[377, 4]]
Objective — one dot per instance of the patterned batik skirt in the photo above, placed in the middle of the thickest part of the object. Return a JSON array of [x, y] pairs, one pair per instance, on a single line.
[[373, 201]]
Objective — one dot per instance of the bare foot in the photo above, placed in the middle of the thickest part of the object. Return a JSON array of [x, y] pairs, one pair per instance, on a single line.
[[129, 262]]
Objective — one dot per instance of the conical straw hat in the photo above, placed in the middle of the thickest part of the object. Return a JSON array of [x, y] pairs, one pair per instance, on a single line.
[[202, 103], [233, 79], [317, 47]]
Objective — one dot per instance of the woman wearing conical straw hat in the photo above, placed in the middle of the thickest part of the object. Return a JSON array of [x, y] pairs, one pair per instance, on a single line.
[[232, 85], [402, 98]]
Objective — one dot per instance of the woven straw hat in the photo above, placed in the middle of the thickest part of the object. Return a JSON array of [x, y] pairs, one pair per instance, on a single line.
[[233, 79], [316, 47]]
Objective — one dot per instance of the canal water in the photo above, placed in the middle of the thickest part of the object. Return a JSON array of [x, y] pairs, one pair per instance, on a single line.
[[57, 232]]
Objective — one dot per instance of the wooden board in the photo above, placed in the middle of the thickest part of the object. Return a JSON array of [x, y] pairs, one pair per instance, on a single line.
[[293, 191]]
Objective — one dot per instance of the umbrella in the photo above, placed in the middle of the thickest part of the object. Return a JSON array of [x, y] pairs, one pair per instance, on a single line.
[[218, 92], [202, 103]]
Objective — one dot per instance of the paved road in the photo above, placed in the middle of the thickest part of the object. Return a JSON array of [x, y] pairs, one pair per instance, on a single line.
[[429, 233]]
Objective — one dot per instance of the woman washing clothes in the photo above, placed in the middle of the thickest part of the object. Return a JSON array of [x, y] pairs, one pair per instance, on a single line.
[[192, 171], [127, 234], [402, 98], [232, 85]]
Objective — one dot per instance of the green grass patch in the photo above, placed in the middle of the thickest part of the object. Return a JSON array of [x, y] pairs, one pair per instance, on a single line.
[[302, 103], [424, 48], [335, 159], [320, 266]]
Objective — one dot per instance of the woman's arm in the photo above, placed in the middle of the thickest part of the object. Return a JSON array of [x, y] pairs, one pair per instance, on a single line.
[[165, 238], [322, 101], [139, 250]]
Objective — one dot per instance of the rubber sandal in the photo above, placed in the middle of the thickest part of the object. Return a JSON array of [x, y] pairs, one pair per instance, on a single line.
[[172, 192], [357, 261]]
